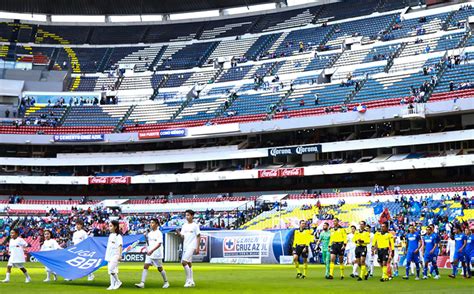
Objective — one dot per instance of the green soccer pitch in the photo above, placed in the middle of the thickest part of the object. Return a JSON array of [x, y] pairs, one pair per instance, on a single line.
[[213, 278]]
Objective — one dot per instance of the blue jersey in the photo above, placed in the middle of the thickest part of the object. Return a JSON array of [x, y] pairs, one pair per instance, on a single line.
[[459, 242], [430, 242], [470, 245], [413, 241]]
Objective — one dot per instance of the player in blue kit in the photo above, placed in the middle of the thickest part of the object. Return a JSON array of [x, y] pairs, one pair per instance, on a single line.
[[431, 251], [469, 251], [413, 251], [460, 242]]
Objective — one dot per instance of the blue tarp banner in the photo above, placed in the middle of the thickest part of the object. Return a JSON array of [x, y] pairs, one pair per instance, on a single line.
[[78, 261]]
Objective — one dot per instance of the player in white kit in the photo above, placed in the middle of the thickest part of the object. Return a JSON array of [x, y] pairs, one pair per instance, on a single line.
[[48, 245], [17, 255], [113, 254], [350, 248], [154, 254], [191, 234], [369, 261], [80, 235]]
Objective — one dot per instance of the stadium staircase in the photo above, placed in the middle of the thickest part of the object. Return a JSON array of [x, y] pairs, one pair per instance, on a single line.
[[208, 53], [105, 60], [64, 116], [223, 108], [278, 104], [464, 39], [439, 75], [185, 103], [158, 57], [124, 119], [447, 21], [161, 84], [328, 36], [354, 92], [396, 54]]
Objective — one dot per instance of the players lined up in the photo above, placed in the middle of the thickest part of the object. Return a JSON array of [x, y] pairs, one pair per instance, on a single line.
[[190, 233], [362, 246]]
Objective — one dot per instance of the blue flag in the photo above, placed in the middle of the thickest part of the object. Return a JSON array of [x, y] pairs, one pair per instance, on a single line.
[[82, 259], [378, 209]]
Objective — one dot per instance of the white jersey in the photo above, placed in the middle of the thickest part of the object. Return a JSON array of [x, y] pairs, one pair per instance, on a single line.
[[350, 242], [49, 245], [190, 231], [369, 246], [113, 247], [79, 236], [451, 249], [154, 238], [16, 248]]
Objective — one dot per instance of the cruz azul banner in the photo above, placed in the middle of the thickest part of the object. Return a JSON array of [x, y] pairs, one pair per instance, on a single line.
[[242, 246], [78, 138], [82, 259], [298, 150]]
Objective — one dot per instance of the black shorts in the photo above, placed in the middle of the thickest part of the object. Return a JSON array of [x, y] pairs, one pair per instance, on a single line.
[[299, 251], [383, 255], [337, 249], [361, 251]]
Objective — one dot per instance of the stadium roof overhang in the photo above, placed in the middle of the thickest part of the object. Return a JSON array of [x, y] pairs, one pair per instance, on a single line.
[[122, 7]]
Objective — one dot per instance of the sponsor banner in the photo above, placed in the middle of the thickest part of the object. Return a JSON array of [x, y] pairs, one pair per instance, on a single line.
[[79, 138], [291, 172], [298, 150], [268, 173], [82, 259], [248, 246], [110, 180], [281, 173], [162, 134]]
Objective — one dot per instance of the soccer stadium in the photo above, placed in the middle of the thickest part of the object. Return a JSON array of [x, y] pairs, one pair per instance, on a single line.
[[237, 146]]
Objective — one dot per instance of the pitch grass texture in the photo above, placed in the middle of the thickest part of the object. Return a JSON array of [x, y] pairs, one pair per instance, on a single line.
[[213, 278]]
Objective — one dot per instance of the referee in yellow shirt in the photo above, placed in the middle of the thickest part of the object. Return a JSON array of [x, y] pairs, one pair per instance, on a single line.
[[301, 240], [337, 244], [362, 239], [383, 244]]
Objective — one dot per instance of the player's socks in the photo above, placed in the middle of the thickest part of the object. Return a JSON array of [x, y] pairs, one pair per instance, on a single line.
[[112, 281], [363, 271], [384, 272], [191, 279], [7, 277], [455, 269], [305, 269], [425, 270], [341, 268], [331, 269], [464, 268], [27, 275], [163, 275], [418, 270], [407, 270], [186, 269], [144, 274], [354, 269], [297, 266]]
